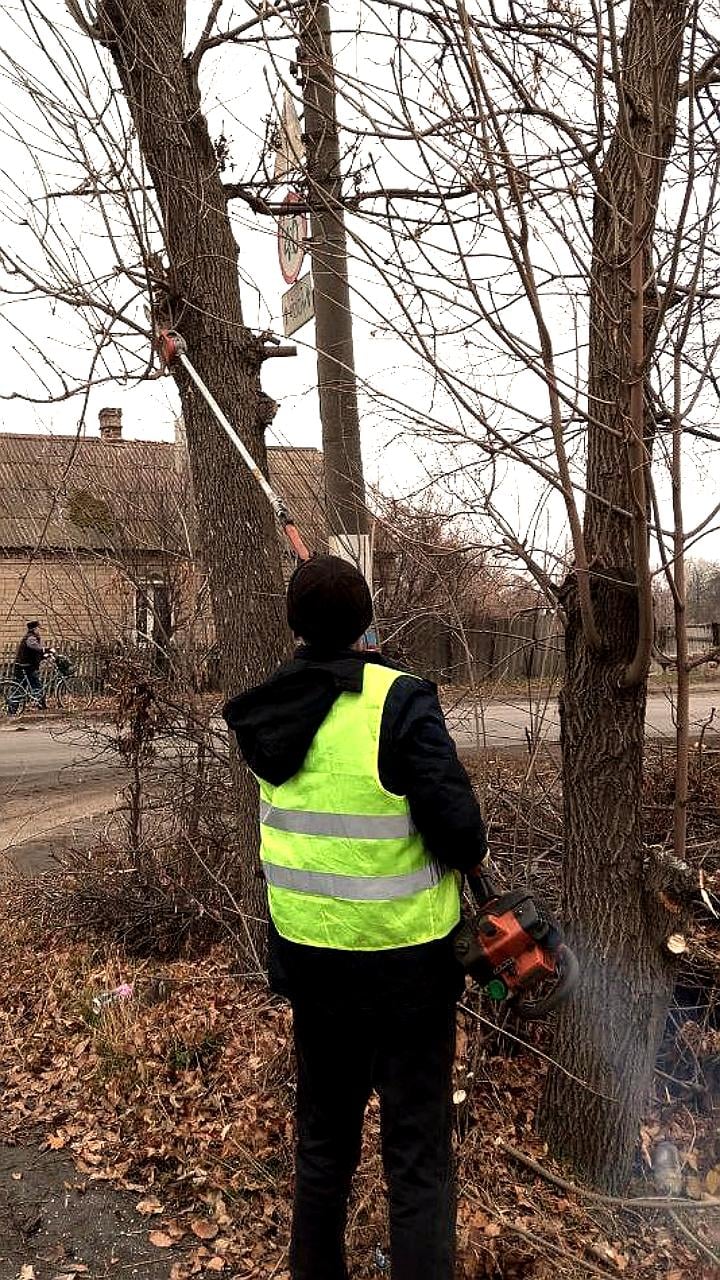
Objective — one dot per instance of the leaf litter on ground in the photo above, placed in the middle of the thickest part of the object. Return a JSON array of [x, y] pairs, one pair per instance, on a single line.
[[188, 1104]]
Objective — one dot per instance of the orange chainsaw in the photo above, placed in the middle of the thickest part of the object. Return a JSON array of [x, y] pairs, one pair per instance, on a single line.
[[512, 947]]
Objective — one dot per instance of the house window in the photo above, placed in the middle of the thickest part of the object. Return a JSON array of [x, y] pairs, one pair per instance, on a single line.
[[153, 613]]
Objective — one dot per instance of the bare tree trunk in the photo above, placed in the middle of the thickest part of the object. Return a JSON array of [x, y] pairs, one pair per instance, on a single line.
[[609, 1035], [236, 528]]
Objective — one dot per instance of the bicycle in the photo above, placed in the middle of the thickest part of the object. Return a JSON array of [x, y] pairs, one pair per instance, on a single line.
[[15, 695], [61, 685]]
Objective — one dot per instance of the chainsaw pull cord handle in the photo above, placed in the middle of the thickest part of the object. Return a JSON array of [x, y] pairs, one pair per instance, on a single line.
[[172, 346]]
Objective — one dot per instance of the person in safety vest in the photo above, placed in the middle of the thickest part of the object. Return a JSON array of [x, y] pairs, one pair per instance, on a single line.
[[367, 819]]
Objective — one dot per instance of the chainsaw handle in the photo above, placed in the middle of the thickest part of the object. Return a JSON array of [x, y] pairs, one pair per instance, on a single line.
[[482, 886], [532, 1010]]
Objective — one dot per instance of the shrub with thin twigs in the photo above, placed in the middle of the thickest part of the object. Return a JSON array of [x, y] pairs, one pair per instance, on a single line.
[[161, 881]]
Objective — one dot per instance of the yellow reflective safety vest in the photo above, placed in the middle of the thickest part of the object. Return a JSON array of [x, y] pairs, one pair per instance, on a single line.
[[344, 864]]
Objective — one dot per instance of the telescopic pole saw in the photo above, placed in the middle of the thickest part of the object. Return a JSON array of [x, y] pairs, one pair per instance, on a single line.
[[173, 347]]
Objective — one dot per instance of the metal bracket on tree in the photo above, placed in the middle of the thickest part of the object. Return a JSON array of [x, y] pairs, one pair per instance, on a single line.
[[173, 347]]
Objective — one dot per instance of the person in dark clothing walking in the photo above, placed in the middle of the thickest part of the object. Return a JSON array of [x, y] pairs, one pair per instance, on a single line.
[[28, 657], [367, 821]]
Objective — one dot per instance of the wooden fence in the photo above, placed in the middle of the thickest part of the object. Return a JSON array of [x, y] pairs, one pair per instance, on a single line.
[[93, 665], [703, 637], [88, 663], [529, 645], [526, 646]]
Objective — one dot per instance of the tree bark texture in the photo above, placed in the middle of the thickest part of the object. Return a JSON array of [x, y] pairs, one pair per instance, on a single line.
[[236, 527], [609, 1035]]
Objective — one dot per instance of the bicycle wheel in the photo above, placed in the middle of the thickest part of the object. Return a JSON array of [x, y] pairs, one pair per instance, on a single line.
[[13, 700], [74, 693], [52, 691]]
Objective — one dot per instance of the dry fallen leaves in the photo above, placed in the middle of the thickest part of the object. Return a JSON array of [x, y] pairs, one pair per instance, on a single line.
[[187, 1105], [161, 1239], [203, 1229], [148, 1206], [608, 1253]]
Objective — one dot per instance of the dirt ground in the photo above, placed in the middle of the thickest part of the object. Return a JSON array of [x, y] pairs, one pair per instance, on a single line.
[[56, 1225], [34, 839], [62, 806]]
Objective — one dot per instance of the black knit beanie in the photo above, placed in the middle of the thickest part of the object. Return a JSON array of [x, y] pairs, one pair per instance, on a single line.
[[328, 603]]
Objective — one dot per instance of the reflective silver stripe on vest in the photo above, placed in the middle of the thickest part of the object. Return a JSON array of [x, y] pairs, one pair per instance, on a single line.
[[352, 826], [354, 888]]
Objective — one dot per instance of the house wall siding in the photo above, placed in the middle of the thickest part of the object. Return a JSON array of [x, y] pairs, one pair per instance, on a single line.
[[77, 600], [100, 512]]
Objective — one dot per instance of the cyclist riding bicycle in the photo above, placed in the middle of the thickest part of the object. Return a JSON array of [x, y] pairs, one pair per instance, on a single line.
[[28, 657]]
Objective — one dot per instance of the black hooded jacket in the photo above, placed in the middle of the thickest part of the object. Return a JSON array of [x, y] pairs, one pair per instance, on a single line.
[[275, 724]]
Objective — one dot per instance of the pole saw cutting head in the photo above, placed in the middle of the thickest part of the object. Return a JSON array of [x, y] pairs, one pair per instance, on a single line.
[[512, 948], [169, 345]]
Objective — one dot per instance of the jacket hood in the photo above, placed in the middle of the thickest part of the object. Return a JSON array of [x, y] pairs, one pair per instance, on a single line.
[[275, 722]]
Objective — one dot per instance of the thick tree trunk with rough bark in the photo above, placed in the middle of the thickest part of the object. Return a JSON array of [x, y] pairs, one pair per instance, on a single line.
[[608, 1036], [236, 526]]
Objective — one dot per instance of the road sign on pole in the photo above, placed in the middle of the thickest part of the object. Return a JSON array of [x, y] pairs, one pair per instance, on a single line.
[[298, 305], [292, 235], [290, 153]]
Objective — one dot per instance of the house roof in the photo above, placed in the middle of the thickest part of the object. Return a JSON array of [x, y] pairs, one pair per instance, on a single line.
[[95, 495]]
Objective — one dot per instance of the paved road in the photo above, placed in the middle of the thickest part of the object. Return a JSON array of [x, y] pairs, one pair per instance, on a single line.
[[59, 784], [507, 724], [57, 754], [57, 788], [33, 752]]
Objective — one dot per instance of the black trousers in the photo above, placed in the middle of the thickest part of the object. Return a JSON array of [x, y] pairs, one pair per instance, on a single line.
[[406, 1055]]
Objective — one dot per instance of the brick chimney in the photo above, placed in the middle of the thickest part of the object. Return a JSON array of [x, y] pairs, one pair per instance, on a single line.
[[110, 424]]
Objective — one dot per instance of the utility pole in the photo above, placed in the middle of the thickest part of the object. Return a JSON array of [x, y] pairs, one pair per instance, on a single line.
[[337, 388]]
